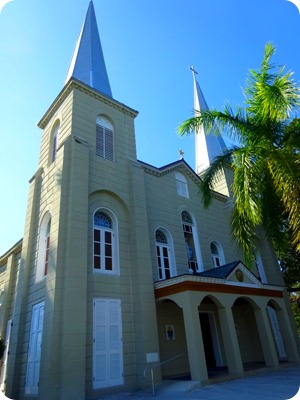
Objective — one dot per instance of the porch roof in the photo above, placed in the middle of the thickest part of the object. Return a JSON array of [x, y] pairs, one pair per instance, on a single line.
[[224, 279]]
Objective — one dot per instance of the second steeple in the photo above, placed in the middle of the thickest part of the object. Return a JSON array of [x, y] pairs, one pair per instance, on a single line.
[[207, 145]]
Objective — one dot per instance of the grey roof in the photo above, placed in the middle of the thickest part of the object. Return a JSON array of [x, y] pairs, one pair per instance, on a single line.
[[221, 272], [88, 65]]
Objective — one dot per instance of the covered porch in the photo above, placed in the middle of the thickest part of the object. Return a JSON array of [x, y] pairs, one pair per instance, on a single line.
[[222, 325]]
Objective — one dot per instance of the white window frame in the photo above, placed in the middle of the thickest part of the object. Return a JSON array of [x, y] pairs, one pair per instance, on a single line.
[[107, 343], [218, 259], [34, 349], [260, 267], [164, 251], [104, 138], [104, 232], [181, 185], [44, 244]]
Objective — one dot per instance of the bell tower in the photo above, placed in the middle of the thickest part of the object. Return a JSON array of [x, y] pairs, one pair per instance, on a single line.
[[79, 264]]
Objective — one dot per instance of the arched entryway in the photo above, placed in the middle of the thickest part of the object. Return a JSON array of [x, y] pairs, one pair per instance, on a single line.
[[212, 337], [252, 355], [172, 341]]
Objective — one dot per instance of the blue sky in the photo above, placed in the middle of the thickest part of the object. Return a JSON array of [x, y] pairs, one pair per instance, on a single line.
[[148, 47]]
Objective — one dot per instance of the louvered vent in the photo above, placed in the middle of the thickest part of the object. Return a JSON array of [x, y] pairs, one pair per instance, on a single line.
[[104, 143]]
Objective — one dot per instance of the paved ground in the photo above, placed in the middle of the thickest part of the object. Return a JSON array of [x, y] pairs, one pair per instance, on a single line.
[[275, 385]]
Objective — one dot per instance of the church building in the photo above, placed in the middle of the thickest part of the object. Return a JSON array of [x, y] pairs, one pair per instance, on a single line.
[[121, 271]]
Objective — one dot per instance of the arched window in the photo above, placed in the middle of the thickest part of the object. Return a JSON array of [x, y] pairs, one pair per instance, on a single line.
[[104, 139], [164, 255], [191, 242], [105, 252], [217, 254], [47, 240], [260, 267], [55, 137], [43, 247], [181, 185]]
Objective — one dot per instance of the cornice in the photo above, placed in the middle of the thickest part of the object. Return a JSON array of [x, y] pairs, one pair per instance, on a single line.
[[75, 84], [179, 166], [15, 249], [204, 284]]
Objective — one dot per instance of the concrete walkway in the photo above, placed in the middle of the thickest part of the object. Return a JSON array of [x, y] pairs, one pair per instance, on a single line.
[[275, 385]]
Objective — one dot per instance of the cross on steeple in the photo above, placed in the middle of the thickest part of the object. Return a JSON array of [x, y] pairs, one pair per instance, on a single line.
[[193, 70]]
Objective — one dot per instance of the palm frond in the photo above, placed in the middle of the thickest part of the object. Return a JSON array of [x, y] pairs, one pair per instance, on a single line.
[[271, 93], [285, 170]]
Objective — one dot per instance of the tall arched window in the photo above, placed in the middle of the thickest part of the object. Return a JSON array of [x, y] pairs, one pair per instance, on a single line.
[[260, 267], [105, 252], [164, 255], [47, 240], [55, 137], [104, 139], [191, 242], [43, 247], [217, 254], [181, 185]]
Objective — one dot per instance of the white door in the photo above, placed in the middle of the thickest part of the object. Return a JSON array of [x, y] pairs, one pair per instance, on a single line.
[[34, 350], [107, 352], [277, 334], [5, 355]]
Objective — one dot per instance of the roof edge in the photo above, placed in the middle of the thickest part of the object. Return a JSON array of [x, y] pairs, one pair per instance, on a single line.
[[76, 84]]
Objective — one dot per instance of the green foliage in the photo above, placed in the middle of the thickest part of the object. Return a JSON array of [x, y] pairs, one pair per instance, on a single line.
[[289, 260], [266, 163]]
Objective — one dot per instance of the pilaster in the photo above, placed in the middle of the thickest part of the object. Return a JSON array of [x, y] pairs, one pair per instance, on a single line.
[[194, 339]]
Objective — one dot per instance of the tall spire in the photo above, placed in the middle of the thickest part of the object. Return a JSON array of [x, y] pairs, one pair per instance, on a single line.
[[207, 146], [88, 63]]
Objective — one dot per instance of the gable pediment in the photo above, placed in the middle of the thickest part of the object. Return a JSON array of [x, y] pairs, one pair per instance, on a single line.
[[178, 166], [242, 274], [236, 273]]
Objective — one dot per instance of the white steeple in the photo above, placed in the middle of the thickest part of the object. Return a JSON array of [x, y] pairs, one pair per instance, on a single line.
[[207, 146]]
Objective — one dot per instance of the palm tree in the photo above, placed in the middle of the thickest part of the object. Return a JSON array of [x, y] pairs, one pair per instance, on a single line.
[[266, 162]]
